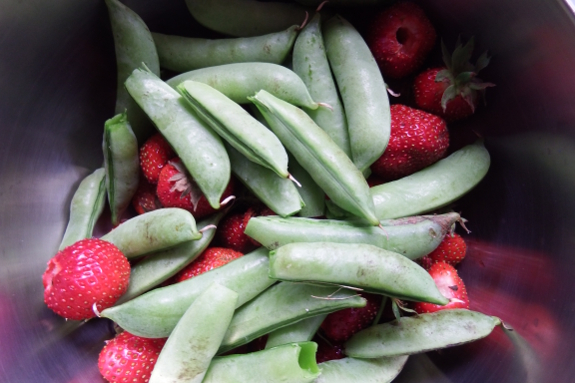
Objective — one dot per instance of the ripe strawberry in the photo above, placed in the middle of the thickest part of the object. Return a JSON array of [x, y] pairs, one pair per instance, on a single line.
[[129, 358], [451, 250], [211, 258], [341, 325], [145, 198], [328, 351], [154, 154], [87, 272], [418, 139], [230, 233], [450, 285], [400, 37]]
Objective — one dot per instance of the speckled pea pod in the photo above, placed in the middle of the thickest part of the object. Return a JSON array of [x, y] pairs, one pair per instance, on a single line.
[[347, 370], [421, 333], [122, 164], [182, 54], [362, 90], [156, 313], [301, 331], [153, 231], [200, 149], [358, 265], [312, 195], [86, 206]]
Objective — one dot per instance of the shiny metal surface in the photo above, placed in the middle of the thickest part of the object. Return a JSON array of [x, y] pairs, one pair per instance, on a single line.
[[57, 86]]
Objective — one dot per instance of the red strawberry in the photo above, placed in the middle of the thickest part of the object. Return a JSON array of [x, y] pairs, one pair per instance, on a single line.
[[341, 325], [87, 272], [328, 351], [129, 358], [230, 233], [451, 250], [400, 37], [425, 262], [154, 154], [211, 258], [418, 139], [450, 285], [145, 198]]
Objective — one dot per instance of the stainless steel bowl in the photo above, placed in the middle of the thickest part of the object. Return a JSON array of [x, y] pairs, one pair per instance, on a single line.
[[57, 87]]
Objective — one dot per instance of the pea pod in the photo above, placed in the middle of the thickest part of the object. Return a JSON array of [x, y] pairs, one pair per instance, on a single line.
[[312, 195], [86, 206], [153, 231], [328, 165], [282, 305], [200, 149], [301, 331], [122, 164], [156, 313], [421, 333], [347, 370], [363, 266]]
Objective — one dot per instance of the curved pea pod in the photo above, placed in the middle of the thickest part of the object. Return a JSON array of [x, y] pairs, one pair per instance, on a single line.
[[152, 231], [190, 348], [245, 17], [243, 132], [86, 206], [122, 164], [156, 313], [289, 363], [362, 90], [182, 54], [200, 149], [347, 370], [282, 305], [362, 266], [420, 333], [301, 331], [327, 164], [312, 195]]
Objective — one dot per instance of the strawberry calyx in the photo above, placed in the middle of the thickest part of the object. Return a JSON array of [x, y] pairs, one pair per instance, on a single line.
[[184, 184]]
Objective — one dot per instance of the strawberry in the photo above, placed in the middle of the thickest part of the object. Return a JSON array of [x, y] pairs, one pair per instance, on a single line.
[[90, 271], [129, 358], [328, 351], [145, 198], [341, 325], [450, 285], [452, 91], [211, 258], [230, 233], [154, 154], [400, 37], [418, 139], [451, 250]]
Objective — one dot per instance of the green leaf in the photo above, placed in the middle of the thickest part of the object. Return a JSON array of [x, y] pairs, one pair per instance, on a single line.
[[462, 55], [448, 95], [446, 56], [482, 62]]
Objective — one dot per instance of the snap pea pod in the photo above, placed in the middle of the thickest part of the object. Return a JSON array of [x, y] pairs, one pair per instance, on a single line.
[[153, 231], [235, 125], [242, 80], [282, 305], [327, 164], [122, 164], [362, 90], [245, 17], [156, 313], [421, 333], [190, 348], [363, 266], [200, 149], [289, 363], [301, 331], [182, 54], [86, 206], [347, 370], [411, 237], [133, 45], [312, 195]]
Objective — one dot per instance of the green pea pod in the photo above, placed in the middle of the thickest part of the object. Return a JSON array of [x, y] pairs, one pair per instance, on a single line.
[[312, 195], [153, 231], [242, 80], [347, 370], [134, 45], [245, 17], [182, 54], [362, 90], [301, 331], [282, 305], [277, 193], [327, 164], [122, 164], [289, 363], [200, 149], [86, 206], [156, 313], [412, 237], [310, 63], [246, 134], [190, 348], [420, 333], [362, 266]]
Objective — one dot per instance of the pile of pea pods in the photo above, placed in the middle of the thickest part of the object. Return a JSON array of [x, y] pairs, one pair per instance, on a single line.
[[296, 111]]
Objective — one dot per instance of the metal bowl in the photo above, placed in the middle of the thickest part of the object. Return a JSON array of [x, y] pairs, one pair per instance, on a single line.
[[57, 87]]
